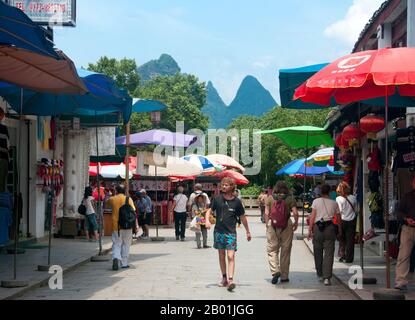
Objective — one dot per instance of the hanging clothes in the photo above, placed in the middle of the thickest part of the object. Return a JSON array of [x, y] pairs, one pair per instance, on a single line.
[[405, 147], [46, 134], [40, 133], [5, 223], [52, 134]]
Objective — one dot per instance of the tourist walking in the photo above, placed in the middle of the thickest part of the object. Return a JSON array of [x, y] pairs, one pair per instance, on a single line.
[[323, 232], [280, 231], [141, 212], [180, 213], [347, 205], [199, 211], [262, 199], [227, 209], [198, 189], [148, 205], [90, 218], [407, 214], [121, 238]]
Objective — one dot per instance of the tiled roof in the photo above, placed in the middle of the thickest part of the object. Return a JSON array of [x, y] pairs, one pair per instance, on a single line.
[[371, 21]]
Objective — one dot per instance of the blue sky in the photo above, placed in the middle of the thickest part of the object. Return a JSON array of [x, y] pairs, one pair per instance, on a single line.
[[218, 40]]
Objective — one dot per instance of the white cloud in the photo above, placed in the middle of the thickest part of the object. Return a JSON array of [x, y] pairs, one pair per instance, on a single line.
[[348, 29]]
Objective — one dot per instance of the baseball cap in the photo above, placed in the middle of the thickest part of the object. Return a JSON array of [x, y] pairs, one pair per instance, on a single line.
[[143, 191]]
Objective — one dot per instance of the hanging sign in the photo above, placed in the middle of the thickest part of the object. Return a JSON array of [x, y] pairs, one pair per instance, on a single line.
[[48, 12]]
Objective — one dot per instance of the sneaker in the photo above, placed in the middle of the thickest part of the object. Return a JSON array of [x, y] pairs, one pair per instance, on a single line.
[[182, 239], [275, 278], [403, 288], [231, 286], [285, 280], [199, 247], [115, 265], [342, 260], [125, 267], [177, 238], [207, 247], [327, 282]]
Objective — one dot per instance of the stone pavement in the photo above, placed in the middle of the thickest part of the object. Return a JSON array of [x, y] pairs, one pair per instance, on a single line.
[[66, 253], [374, 267], [177, 270]]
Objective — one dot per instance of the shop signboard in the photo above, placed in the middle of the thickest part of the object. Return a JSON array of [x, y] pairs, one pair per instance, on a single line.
[[48, 12]]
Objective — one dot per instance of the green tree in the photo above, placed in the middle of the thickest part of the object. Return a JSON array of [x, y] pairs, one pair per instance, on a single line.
[[124, 72], [184, 95]]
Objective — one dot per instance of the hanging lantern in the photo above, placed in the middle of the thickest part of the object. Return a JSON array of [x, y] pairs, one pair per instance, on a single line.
[[340, 142], [372, 124], [156, 117], [352, 134]]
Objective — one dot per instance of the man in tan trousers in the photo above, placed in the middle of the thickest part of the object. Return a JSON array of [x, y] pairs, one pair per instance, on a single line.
[[279, 241], [407, 213]]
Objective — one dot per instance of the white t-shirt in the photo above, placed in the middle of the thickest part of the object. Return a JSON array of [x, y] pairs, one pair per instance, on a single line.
[[89, 206], [346, 210], [181, 202], [325, 208]]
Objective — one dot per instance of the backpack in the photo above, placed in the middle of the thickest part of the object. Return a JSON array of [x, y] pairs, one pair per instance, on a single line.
[[279, 215], [127, 216], [82, 209]]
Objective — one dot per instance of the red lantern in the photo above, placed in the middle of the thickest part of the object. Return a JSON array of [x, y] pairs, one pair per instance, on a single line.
[[352, 132], [371, 125], [340, 142]]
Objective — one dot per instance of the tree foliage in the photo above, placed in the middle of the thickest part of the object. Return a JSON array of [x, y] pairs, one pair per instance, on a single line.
[[124, 72], [183, 94]]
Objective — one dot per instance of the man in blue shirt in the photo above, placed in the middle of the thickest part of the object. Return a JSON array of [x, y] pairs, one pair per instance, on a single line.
[[148, 205]]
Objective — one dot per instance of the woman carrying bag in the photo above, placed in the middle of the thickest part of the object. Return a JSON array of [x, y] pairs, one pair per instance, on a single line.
[[347, 204], [199, 210], [323, 232]]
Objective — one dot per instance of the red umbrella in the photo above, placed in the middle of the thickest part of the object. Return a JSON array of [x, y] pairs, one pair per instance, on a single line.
[[361, 76], [239, 178]]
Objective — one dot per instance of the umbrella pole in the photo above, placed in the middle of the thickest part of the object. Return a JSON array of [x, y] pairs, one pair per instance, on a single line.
[[305, 184], [100, 257], [386, 209], [127, 159], [16, 283]]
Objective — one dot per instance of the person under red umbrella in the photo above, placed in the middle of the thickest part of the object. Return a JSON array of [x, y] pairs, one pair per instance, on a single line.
[[362, 76]]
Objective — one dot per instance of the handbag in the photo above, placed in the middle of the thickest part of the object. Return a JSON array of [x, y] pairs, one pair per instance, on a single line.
[[212, 219], [194, 226]]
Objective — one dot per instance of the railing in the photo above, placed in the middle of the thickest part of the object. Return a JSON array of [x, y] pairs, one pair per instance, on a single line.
[[250, 202]]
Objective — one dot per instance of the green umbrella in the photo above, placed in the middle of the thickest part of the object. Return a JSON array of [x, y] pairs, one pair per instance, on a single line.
[[302, 138]]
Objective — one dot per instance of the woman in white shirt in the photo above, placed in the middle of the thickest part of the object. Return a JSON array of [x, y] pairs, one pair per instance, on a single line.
[[180, 213], [347, 205], [90, 218], [323, 232]]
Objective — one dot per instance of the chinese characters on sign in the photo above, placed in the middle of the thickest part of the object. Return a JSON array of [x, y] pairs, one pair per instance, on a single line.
[[48, 12]]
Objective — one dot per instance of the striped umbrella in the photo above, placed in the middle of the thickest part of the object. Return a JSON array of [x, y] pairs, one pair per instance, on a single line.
[[208, 166]]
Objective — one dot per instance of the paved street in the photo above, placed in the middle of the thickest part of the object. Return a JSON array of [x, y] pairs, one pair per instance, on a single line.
[[176, 270]]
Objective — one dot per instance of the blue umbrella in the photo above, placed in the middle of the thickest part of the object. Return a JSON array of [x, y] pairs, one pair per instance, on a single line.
[[291, 79], [298, 167], [147, 105], [103, 97], [17, 29], [29, 60]]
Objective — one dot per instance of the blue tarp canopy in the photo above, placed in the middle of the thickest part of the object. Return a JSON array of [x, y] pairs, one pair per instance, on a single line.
[[16, 29], [103, 97], [291, 79], [298, 167], [147, 105]]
